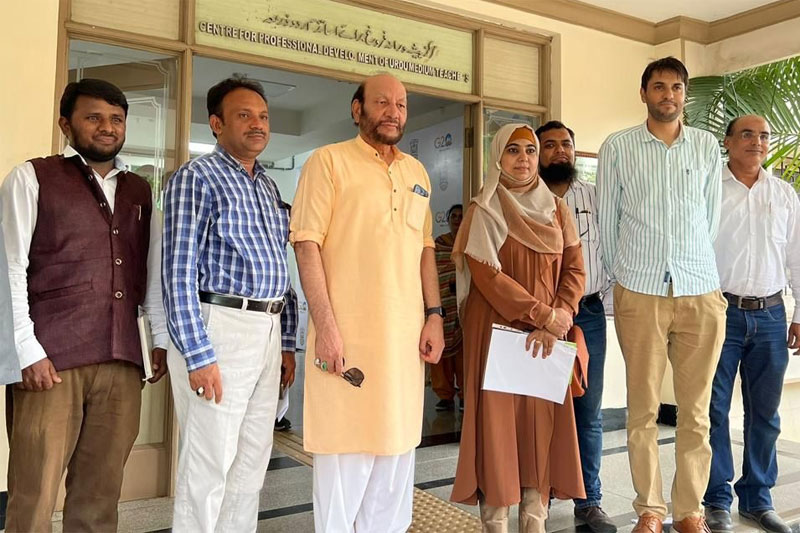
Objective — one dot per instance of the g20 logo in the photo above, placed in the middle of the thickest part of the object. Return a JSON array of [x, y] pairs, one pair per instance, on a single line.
[[443, 142]]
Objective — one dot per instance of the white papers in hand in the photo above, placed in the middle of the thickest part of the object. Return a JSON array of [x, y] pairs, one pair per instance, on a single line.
[[511, 368], [146, 340]]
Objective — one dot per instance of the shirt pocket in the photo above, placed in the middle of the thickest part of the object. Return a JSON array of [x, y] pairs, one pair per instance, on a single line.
[[587, 226], [416, 207], [778, 224], [690, 188]]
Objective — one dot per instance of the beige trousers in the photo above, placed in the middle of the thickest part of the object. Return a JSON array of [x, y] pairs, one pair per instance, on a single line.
[[85, 425], [689, 332], [532, 515]]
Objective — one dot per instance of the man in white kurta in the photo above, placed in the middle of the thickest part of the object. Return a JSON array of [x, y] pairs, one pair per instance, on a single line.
[[361, 228]]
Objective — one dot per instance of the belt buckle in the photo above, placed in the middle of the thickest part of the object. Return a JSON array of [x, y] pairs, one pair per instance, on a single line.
[[276, 307]]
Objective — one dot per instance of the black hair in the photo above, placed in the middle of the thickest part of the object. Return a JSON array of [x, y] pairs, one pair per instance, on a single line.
[[452, 207], [554, 125], [731, 125], [665, 63], [93, 88], [358, 96], [218, 92]]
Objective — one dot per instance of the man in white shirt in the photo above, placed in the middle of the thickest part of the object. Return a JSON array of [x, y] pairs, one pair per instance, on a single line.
[[9, 362], [759, 239], [83, 255], [557, 169]]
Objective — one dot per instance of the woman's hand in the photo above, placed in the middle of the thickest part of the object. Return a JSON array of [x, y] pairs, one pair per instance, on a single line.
[[543, 339], [560, 326]]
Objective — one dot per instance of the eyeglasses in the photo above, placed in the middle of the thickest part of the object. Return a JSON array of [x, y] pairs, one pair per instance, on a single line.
[[353, 376], [748, 135]]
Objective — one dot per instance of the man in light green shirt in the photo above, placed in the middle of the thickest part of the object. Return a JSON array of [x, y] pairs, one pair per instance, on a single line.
[[659, 191]]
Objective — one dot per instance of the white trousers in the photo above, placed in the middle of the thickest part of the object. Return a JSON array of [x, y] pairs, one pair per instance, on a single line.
[[224, 448], [363, 493]]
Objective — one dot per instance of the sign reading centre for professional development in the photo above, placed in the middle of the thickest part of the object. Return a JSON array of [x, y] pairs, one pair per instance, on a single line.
[[338, 36]]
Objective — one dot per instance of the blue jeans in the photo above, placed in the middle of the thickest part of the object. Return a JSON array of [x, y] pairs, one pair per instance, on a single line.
[[588, 416], [755, 345]]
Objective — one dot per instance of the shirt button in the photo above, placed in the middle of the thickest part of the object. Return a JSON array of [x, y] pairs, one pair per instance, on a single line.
[[115, 231], [395, 190], [118, 261], [118, 295], [102, 204], [395, 209]]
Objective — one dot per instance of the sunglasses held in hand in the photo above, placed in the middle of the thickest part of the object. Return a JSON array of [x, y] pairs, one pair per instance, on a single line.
[[353, 376]]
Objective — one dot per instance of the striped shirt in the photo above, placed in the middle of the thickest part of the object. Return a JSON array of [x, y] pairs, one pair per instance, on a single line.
[[581, 199], [226, 233], [659, 210]]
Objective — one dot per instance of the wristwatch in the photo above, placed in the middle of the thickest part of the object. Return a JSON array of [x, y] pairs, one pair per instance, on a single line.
[[435, 311]]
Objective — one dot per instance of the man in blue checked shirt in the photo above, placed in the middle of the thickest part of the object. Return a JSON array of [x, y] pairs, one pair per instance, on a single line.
[[232, 315]]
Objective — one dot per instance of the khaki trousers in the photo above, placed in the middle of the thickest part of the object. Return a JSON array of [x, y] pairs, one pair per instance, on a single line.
[[532, 514], [689, 331], [85, 425]]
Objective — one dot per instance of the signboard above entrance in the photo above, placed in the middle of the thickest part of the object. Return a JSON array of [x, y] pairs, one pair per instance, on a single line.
[[328, 34]]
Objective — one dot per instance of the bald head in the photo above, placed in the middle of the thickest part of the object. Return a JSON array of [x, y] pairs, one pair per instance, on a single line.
[[379, 109], [747, 140]]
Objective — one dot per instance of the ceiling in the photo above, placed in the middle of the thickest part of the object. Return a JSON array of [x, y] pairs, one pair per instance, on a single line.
[[653, 11]]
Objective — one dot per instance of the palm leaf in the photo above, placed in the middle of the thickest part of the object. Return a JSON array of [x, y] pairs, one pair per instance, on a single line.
[[772, 91]]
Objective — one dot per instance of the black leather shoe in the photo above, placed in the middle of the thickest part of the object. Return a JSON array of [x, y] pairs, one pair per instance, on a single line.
[[768, 520], [719, 520], [283, 424], [597, 519]]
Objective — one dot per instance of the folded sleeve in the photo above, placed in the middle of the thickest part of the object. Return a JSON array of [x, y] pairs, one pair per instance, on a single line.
[[314, 200]]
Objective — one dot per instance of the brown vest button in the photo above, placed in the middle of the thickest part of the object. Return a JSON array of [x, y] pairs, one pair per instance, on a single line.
[[118, 295], [115, 231], [118, 261]]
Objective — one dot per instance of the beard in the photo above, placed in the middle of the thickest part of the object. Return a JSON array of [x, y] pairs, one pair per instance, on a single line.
[[96, 152], [369, 127], [661, 116], [558, 173]]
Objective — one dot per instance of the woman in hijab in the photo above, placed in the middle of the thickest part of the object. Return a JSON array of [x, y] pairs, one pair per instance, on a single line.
[[519, 256]]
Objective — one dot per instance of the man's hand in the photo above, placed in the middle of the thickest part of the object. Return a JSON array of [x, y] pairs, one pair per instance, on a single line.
[[209, 378], [329, 348], [794, 337], [560, 326], [431, 340], [287, 369], [39, 376], [158, 358], [543, 339]]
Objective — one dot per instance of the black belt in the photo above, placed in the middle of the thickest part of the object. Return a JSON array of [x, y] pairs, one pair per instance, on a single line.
[[752, 303], [272, 307], [591, 297]]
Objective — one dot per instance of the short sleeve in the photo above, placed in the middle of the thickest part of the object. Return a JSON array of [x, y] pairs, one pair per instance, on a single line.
[[313, 202]]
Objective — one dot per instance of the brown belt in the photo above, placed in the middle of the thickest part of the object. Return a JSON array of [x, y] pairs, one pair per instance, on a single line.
[[752, 303]]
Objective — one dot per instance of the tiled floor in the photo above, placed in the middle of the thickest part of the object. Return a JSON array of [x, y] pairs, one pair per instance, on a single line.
[[286, 498]]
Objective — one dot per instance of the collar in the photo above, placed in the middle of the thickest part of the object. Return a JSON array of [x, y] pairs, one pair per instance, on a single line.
[[258, 168], [728, 175], [69, 151], [646, 136], [372, 152]]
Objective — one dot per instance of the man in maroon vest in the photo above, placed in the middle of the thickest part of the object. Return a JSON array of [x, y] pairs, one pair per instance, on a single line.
[[83, 253]]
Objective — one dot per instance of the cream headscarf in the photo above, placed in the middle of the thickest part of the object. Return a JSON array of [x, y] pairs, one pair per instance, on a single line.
[[503, 207]]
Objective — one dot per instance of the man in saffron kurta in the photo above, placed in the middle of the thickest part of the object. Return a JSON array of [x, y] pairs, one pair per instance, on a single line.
[[361, 228]]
